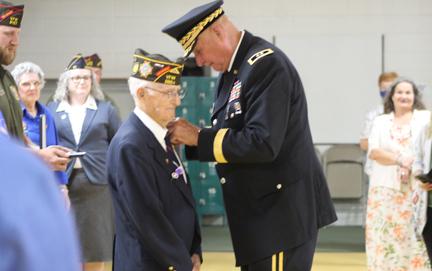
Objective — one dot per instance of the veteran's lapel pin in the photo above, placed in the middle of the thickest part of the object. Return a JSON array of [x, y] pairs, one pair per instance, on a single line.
[[178, 171]]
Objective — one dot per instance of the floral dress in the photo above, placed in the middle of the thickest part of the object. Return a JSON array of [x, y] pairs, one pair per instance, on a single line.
[[391, 241]]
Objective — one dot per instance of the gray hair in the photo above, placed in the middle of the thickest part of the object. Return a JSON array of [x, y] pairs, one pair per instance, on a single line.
[[62, 91], [27, 67]]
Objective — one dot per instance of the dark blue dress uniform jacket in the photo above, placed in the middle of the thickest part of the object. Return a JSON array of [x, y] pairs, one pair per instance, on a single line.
[[155, 219], [275, 193]]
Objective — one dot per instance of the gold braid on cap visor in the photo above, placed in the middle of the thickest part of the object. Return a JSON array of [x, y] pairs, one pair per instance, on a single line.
[[188, 40]]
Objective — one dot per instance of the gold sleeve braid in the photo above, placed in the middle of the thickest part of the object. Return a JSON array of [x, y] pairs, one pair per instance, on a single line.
[[217, 146]]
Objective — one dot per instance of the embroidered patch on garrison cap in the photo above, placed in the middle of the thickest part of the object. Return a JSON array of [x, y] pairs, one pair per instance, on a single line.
[[156, 68], [10, 14], [259, 55], [93, 61]]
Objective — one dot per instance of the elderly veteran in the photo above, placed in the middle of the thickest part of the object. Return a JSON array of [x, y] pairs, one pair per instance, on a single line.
[[87, 123], [30, 80], [10, 110], [156, 223], [275, 192]]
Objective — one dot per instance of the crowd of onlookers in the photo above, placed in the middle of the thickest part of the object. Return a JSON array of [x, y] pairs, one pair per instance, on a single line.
[[76, 119]]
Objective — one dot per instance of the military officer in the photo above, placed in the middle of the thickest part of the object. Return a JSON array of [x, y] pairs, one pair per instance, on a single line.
[[275, 192], [10, 110]]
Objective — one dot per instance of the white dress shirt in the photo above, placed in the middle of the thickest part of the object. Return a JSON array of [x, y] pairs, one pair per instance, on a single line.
[[159, 132], [235, 52], [76, 114]]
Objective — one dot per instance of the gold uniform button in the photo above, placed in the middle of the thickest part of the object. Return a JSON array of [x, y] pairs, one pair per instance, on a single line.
[[279, 186], [171, 268], [222, 180]]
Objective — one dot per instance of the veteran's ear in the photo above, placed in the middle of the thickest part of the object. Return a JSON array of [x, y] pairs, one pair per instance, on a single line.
[[140, 92]]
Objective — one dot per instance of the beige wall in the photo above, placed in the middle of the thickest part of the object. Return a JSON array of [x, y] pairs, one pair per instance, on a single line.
[[335, 44]]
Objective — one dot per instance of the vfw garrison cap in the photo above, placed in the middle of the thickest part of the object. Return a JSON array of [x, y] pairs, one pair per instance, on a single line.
[[187, 28], [93, 61], [156, 68], [77, 62], [11, 15]]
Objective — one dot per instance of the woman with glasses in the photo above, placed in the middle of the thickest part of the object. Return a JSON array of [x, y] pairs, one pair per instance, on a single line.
[[86, 123], [30, 80]]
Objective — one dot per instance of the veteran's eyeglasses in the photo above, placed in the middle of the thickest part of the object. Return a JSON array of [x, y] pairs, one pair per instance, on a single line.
[[172, 94], [77, 79]]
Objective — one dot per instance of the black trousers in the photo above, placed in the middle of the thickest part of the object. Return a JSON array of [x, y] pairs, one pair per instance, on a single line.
[[294, 259], [427, 232]]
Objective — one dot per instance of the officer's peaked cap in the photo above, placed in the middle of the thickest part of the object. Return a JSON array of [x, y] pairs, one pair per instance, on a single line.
[[187, 28]]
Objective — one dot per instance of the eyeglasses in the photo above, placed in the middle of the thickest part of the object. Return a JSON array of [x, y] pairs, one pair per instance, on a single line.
[[36, 84], [78, 78], [181, 93]]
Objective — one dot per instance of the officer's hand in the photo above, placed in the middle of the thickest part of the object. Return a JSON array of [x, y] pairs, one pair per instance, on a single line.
[[196, 262], [56, 156], [426, 186], [183, 132]]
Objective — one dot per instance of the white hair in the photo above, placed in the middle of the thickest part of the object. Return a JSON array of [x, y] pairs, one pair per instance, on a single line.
[[135, 84], [62, 91], [27, 67]]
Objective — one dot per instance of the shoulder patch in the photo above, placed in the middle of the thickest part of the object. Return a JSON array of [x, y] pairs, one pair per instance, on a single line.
[[259, 55]]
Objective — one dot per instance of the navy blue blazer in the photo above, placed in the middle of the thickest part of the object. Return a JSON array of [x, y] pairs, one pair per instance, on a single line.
[[274, 189], [155, 219], [98, 129]]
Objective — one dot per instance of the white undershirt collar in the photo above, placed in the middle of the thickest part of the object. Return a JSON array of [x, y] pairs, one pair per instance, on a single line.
[[235, 52], [158, 131]]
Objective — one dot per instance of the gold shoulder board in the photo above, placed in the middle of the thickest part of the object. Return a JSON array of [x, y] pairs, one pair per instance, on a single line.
[[259, 55]]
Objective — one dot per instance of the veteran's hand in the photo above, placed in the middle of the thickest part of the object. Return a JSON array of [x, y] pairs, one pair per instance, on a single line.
[[183, 132], [196, 262], [56, 156]]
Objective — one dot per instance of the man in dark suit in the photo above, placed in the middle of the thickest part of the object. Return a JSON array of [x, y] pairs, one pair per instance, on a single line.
[[275, 193], [156, 223]]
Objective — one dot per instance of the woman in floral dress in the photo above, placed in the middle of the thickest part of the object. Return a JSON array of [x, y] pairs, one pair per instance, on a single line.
[[392, 242]]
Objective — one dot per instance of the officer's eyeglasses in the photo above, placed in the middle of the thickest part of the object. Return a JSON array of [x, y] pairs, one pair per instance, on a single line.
[[36, 84], [77, 79], [181, 93]]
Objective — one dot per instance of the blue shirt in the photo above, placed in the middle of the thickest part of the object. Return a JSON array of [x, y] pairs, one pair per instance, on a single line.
[[31, 130], [36, 231]]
